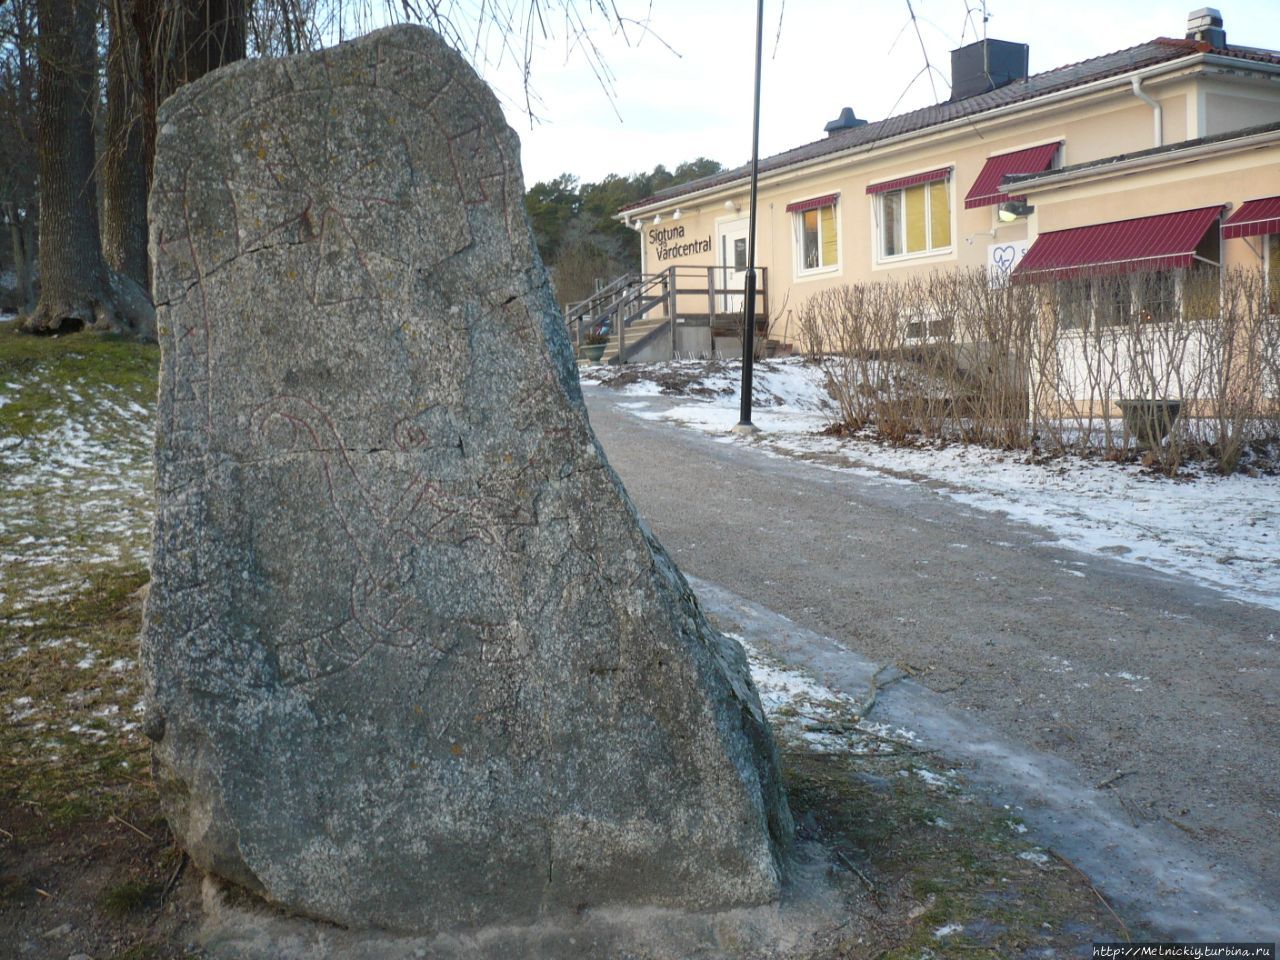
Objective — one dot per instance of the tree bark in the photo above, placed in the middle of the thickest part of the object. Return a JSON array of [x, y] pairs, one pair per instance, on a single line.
[[77, 287], [20, 242], [155, 47], [213, 36], [125, 168]]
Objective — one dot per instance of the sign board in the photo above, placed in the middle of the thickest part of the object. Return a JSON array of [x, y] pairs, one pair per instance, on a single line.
[[1003, 257]]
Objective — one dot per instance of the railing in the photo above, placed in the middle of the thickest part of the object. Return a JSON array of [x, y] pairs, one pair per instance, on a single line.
[[709, 295]]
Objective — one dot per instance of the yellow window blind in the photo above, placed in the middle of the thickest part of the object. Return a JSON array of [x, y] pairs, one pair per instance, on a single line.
[[1273, 270], [939, 214], [917, 239], [828, 230]]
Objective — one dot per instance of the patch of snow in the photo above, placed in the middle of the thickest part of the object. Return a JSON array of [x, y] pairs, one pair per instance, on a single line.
[[823, 719], [948, 930], [933, 779], [1125, 675]]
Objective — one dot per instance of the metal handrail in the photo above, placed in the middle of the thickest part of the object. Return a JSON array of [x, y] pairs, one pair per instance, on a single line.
[[627, 298]]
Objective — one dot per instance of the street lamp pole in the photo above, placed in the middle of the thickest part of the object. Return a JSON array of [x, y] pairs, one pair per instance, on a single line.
[[749, 334]]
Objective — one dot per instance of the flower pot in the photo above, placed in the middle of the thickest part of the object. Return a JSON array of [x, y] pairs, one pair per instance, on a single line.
[[593, 351], [1149, 421]]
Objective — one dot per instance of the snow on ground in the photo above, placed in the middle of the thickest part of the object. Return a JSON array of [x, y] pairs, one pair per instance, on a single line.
[[825, 720], [1224, 532], [78, 493], [75, 501]]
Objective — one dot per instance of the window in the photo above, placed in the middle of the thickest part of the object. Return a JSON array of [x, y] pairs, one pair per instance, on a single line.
[[914, 219], [1136, 298], [816, 244]]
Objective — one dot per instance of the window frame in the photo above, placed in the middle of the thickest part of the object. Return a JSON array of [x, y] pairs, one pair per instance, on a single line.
[[797, 245], [877, 219], [1105, 313]]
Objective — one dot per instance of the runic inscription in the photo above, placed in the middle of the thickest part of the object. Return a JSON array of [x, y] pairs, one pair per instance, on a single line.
[[412, 661]]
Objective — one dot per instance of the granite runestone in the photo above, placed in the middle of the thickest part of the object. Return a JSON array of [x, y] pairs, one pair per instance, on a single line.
[[413, 662]]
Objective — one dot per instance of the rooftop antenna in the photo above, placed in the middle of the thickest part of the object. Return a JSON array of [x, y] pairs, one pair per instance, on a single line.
[[969, 10], [928, 67]]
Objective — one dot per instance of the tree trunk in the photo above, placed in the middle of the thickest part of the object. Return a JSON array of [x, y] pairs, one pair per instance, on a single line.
[[213, 36], [20, 241], [77, 287], [155, 47], [125, 170]]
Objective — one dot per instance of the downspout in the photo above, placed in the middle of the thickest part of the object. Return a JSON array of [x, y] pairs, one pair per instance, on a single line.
[[1156, 110]]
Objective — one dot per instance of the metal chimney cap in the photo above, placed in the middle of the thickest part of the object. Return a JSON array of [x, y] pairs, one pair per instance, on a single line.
[[1203, 18], [846, 121]]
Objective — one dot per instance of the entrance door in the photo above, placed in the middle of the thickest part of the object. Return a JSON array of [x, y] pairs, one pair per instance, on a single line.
[[732, 254]]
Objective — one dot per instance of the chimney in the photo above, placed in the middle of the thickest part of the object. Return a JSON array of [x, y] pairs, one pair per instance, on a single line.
[[846, 121], [1205, 25], [987, 65]]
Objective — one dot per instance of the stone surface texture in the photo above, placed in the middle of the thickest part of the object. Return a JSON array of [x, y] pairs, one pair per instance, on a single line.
[[413, 662]]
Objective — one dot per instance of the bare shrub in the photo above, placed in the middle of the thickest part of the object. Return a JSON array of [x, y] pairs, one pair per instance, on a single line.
[[1055, 366], [943, 356]]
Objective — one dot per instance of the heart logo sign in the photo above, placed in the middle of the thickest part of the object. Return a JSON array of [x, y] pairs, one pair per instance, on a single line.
[[1004, 256]]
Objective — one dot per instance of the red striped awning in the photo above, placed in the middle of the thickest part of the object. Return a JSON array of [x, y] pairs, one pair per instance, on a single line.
[[1164, 242], [940, 174], [1254, 218], [986, 189], [800, 206]]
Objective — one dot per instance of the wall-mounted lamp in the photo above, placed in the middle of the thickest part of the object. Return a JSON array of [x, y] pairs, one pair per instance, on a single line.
[[637, 225], [657, 218], [676, 215], [1012, 210], [730, 205]]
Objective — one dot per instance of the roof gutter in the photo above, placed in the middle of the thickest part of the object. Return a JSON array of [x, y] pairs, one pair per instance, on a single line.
[[1056, 178], [1168, 66]]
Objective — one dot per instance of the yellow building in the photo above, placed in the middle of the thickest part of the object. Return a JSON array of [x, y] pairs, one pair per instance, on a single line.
[[1172, 136]]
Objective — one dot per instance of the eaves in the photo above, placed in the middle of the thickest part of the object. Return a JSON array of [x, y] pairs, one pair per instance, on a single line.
[[1122, 167]]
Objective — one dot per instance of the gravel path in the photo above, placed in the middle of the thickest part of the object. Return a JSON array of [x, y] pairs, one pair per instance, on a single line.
[[1156, 698]]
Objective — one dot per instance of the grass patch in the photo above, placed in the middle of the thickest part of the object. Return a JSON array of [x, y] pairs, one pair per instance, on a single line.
[[38, 375], [952, 876], [72, 748], [130, 897], [75, 428]]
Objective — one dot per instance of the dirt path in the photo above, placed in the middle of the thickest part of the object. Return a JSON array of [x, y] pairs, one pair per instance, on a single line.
[[1151, 703]]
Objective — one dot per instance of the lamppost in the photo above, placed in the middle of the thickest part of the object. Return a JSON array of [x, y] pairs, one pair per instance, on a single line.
[[745, 426]]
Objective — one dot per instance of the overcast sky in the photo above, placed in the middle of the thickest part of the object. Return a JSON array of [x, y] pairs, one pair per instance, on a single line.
[[684, 89]]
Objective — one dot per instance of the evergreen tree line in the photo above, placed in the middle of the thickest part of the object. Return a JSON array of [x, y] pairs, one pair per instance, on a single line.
[[577, 233]]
